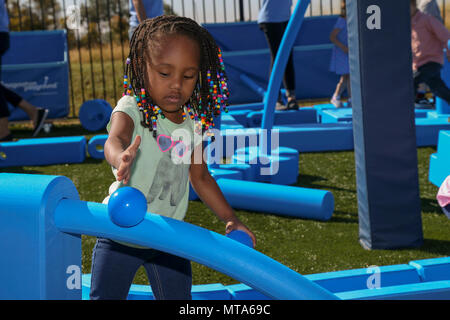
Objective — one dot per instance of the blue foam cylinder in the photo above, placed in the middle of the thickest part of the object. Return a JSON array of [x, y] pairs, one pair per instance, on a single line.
[[278, 199], [194, 243], [94, 114]]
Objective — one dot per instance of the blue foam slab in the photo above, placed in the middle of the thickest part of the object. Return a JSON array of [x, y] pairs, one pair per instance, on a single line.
[[433, 269], [283, 169], [246, 106], [427, 130], [218, 173], [228, 119], [438, 171], [241, 291], [95, 146], [336, 115], [94, 114], [302, 115], [359, 279], [248, 172], [443, 147], [437, 290], [317, 137], [43, 151], [240, 116]]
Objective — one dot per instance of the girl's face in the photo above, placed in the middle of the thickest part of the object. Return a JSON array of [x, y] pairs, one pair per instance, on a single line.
[[172, 71]]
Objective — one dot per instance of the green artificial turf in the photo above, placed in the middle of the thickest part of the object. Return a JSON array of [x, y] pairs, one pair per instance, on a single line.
[[306, 246]]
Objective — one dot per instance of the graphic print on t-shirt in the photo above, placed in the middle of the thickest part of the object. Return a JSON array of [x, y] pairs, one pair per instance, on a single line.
[[171, 176]]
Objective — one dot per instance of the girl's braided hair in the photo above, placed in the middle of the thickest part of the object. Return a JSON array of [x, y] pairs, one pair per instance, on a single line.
[[210, 94]]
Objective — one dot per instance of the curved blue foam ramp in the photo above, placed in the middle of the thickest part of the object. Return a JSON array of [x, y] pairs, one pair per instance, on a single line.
[[96, 146], [94, 114], [278, 199], [194, 243], [43, 151]]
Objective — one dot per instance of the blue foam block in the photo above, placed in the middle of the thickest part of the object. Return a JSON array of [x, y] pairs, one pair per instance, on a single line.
[[248, 171], [438, 171], [437, 290], [427, 130], [359, 279], [95, 146], [281, 167], [43, 151], [433, 269], [218, 173], [39, 262], [443, 147], [336, 115], [317, 137]]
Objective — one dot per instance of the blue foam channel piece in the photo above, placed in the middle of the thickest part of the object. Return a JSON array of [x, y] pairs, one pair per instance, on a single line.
[[364, 278], [194, 243], [432, 269], [43, 151], [436, 290]]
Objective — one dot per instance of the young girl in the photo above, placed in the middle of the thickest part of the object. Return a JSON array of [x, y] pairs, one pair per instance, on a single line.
[[174, 76], [339, 57]]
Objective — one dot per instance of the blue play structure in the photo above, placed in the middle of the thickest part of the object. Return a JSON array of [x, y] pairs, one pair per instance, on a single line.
[[45, 261], [36, 67], [384, 130]]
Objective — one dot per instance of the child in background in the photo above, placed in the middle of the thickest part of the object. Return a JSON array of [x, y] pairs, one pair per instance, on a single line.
[[429, 38], [174, 75], [443, 196], [339, 58]]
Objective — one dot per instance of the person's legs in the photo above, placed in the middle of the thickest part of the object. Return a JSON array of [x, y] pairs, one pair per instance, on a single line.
[[274, 33], [432, 77], [170, 277], [113, 269], [340, 87]]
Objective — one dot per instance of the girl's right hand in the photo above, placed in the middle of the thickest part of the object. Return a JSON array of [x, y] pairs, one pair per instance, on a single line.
[[126, 159]]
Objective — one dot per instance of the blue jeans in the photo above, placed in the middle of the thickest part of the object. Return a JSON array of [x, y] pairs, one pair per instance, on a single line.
[[114, 266]]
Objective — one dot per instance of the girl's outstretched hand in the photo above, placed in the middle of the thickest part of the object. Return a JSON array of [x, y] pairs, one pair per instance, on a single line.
[[236, 224], [126, 159]]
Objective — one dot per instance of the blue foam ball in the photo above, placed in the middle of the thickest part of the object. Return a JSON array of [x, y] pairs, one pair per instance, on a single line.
[[127, 207], [241, 237]]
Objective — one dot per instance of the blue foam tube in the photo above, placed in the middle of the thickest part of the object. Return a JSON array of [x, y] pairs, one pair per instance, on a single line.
[[194, 243], [279, 199]]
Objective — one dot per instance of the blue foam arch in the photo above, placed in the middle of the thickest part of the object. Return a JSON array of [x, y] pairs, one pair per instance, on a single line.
[[194, 243]]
